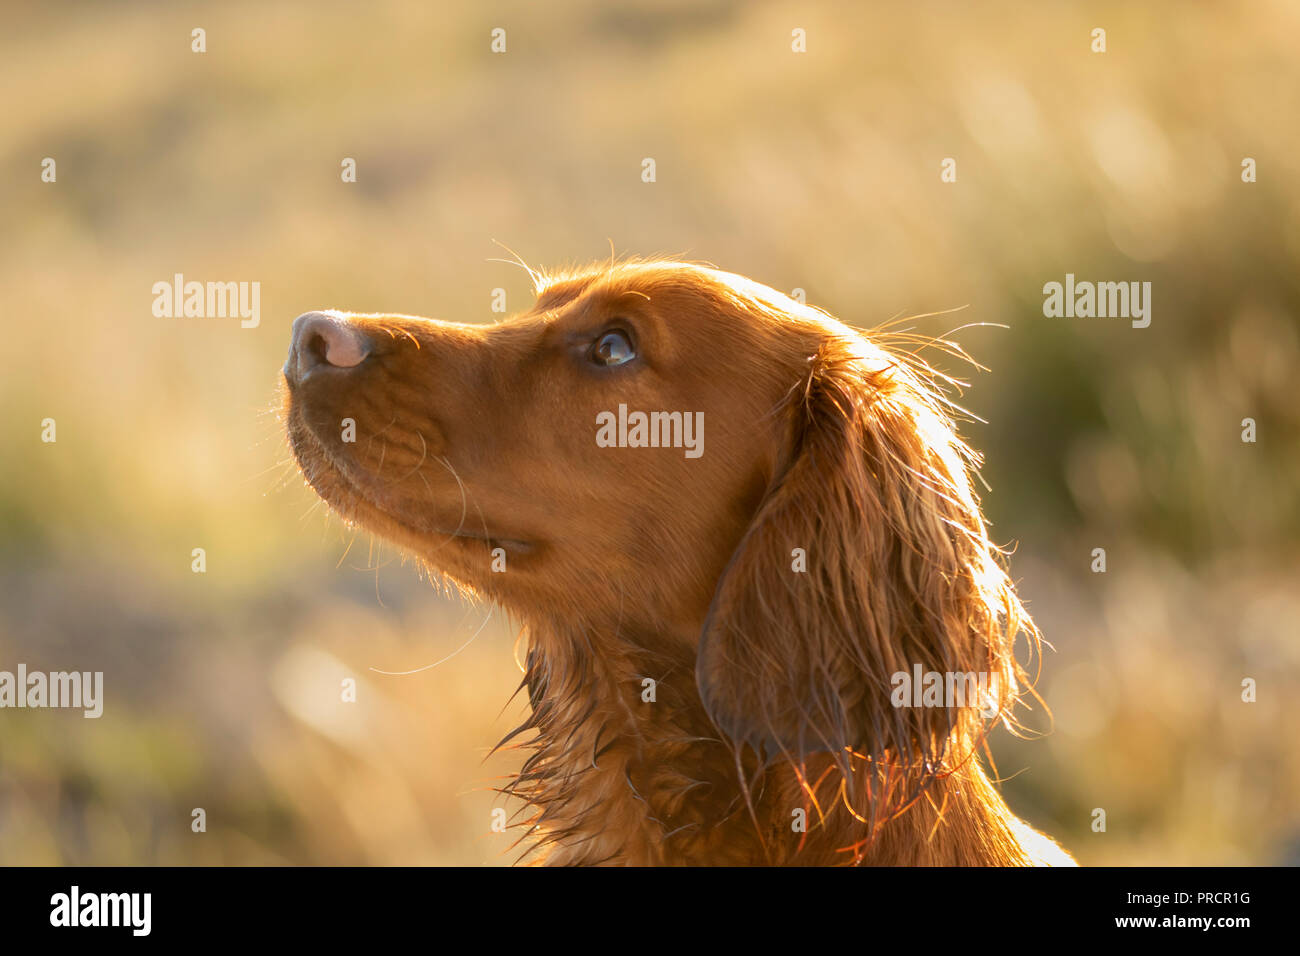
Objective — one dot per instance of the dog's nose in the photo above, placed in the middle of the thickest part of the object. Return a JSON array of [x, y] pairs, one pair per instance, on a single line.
[[323, 340]]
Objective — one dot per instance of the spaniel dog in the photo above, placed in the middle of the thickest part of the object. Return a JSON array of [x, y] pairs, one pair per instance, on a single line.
[[764, 620]]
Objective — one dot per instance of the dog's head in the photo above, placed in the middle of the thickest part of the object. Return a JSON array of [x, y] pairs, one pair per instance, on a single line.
[[659, 450], [530, 444]]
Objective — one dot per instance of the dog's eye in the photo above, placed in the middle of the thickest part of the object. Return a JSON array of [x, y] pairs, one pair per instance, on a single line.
[[612, 348]]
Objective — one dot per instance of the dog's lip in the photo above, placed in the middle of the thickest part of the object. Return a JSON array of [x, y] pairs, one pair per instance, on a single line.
[[514, 544], [355, 496]]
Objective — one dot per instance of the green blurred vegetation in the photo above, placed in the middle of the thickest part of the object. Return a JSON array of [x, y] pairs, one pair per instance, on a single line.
[[816, 170]]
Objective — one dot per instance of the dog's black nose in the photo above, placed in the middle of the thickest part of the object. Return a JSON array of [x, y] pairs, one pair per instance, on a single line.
[[323, 340]]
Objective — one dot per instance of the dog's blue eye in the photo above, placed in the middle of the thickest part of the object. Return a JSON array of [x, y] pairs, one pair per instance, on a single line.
[[612, 348]]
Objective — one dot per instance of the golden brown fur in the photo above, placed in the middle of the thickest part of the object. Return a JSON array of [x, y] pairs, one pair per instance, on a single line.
[[771, 685]]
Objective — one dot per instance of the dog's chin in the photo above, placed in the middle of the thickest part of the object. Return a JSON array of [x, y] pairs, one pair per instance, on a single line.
[[444, 545]]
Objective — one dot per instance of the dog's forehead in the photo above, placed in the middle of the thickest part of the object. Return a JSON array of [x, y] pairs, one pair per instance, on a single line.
[[689, 298], [650, 281], [556, 291]]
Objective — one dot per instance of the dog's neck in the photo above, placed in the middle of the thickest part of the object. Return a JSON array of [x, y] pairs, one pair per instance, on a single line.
[[626, 768]]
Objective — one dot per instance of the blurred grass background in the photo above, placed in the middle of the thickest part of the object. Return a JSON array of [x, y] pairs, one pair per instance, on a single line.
[[816, 170]]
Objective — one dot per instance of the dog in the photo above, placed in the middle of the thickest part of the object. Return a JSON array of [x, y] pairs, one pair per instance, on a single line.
[[733, 528]]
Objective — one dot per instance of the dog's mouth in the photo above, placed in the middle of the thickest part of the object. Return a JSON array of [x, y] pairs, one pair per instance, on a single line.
[[359, 499]]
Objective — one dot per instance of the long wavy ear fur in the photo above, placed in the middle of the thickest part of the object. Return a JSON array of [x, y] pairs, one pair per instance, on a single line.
[[900, 572]]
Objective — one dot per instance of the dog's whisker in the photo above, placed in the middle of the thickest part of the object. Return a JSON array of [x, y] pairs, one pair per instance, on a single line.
[[440, 661]]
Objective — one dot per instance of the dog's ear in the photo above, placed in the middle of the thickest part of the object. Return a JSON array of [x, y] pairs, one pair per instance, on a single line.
[[868, 557]]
